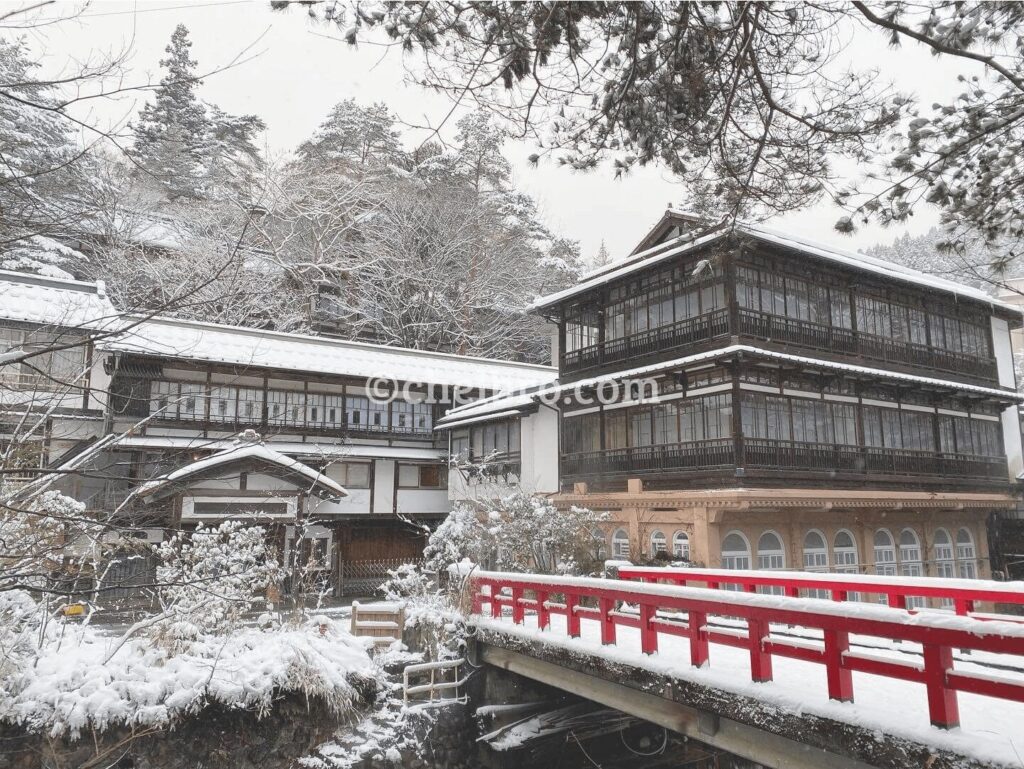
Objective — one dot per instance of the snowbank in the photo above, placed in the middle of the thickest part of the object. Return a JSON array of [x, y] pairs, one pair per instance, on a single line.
[[72, 688]]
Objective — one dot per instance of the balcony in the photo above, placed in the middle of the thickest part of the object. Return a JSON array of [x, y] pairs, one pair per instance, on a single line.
[[760, 456], [844, 341], [647, 343]]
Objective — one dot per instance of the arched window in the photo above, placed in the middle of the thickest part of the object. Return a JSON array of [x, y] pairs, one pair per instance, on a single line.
[[966, 555], [844, 552], [815, 552], [945, 566], [659, 544], [770, 554], [620, 545], [944, 563], [735, 551], [681, 546], [885, 554], [910, 562], [815, 558]]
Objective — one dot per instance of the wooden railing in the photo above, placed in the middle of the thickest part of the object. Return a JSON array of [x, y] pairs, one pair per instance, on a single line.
[[845, 341], [962, 594], [659, 610], [655, 340], [766, 454], [696, 455]]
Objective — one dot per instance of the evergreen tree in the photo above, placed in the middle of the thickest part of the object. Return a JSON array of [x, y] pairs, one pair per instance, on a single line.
[[354, 136], [171, 133], [192, 149], [602, 258]]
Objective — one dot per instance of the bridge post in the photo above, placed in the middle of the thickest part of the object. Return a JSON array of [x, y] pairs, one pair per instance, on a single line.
[[648, 634], [963, 606], [942, 704], [696, 620], [896, 601], [840, 680], [495, 606], [760, 660], [572, 619], [607, 623], [543, 615], [839, 595], [518, 614]]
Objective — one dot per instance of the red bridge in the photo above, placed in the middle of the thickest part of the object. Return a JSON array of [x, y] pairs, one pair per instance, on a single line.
[[799, 673]]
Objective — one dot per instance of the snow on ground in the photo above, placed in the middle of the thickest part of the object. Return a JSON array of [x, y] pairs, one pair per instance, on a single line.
[[73, 688], [990, 731]]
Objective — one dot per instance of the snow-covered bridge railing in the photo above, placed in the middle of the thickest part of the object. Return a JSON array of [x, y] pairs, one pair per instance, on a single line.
[[963, 595], [659, 609]]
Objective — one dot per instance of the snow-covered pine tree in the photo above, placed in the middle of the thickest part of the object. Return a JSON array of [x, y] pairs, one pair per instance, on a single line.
[[602, 257], [191, 149], [171, 133], [43, 173], [354, 137]]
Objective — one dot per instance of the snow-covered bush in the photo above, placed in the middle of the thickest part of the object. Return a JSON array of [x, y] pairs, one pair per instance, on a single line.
[[76, 685], [518, 533], [209, 578]]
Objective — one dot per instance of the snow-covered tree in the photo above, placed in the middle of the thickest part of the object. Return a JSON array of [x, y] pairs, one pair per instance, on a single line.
[[209, 578], [517, 533], [354, 137], [43, 173], [190, 149], [602, 257]]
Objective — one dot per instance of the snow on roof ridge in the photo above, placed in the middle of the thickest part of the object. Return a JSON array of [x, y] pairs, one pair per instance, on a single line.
[[72, 284], [853, 259], [332, 341], [235, 453]]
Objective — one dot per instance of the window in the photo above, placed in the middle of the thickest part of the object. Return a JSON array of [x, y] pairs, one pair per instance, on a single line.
[[945, 566], [815, 559], [352, 475], [409, 417], [250, 405], [966, 555], [422, 477], [735, 551], [659, 544], [223, 402], [885, 554], [765, 416], [844, 553], [681, 546], [192, 402], [770, 555], [620, 545], [910, 562], [581, 434], [460, 444], [163, 400]]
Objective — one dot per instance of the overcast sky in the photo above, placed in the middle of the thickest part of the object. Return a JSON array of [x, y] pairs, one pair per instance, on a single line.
[[294, 70]]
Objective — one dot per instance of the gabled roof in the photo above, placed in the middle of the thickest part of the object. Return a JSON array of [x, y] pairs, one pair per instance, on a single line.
[[688, 242], [313, 480], [503, 405], [56, 302], [240, 346]]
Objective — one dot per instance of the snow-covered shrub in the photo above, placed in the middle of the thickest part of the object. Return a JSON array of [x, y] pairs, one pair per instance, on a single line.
[[517, 533], [20, 624], [209, 578], [76, 685]]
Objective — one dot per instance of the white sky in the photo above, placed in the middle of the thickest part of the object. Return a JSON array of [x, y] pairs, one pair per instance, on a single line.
[[295, 72]]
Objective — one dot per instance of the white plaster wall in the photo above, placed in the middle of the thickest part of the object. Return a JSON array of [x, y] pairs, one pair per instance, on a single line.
[[384, 486], [1002, 345], [540, 452], [357, 502], [1010, 419], [423, 501]]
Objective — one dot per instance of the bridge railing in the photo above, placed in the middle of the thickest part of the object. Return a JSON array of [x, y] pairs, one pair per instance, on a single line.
[[963, 594], [602, 600]]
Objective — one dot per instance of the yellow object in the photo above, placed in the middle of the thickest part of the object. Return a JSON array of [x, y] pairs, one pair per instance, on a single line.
[[74, 610]]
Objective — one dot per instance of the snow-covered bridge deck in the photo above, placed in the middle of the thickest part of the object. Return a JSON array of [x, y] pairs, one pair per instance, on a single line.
[[798, 681]]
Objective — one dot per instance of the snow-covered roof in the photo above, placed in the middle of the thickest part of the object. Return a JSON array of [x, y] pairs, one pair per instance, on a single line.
[[490, 408], [319, 482], [57, 302], [292, 448], [686, 243], [238, 346]]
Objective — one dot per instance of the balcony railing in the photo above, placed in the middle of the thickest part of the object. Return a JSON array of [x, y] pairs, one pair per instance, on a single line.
[[763, 454], [699, 455], [655, 340], [845, 341]]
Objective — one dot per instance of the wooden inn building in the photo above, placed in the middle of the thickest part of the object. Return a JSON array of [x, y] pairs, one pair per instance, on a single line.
[[809, 408]]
